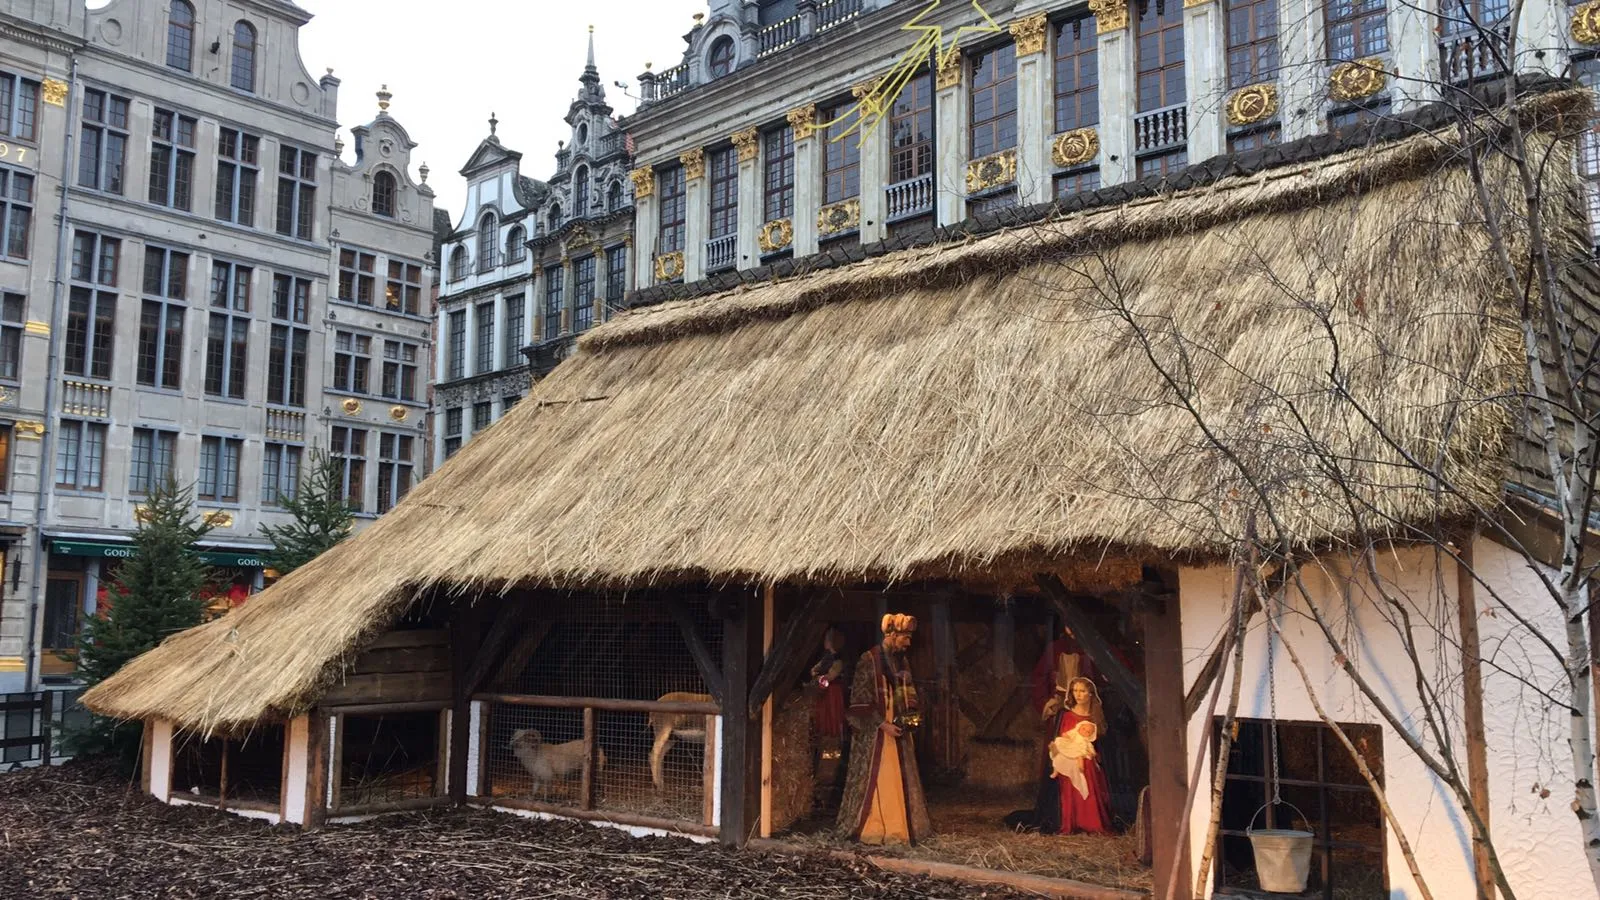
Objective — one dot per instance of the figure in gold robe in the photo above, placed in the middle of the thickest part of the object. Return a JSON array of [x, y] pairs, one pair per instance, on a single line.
[[883, 800]]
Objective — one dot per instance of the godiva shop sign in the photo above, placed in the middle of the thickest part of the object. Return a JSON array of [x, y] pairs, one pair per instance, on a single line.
[[104, 550]]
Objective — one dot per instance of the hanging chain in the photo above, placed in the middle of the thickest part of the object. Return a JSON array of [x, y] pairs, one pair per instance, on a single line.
[[1272, 694]]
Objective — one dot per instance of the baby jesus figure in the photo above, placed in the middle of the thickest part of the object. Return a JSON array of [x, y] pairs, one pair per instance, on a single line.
[[1069, 750]]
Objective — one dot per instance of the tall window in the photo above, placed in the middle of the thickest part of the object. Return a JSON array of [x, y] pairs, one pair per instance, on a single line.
[[228, 330], [724, 184], [358, 278], [1467, 16], [674, 209], [166, 288], [583, 302], [911, 131], [1252, 41], [841, 156], [80, 455], [349, 450], [488, 243], [516, 308], [13, 307], [458, 344], [91, 313], [458, 263], [219, 469], [1356, 29], [616, 276], [352, 362], [394, 469], [403, 293], [383, 194], [180, 36], [516, 245], [777, 181], [553, 283], [297, 192], [1077, 74], [291, 337], [1159, 49], [5, 459], [238, 161], [244, 57], [172, 160], [16, 213], [19, 107], [485, 362], [994, 100], [103, 146], [151, 463], [482, 416], [452, 431], [400, 370], [580, 192], [614, 199], [280, 473]]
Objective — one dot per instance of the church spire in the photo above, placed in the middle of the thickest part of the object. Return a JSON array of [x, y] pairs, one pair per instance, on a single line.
[[591, 67], [593, 92]]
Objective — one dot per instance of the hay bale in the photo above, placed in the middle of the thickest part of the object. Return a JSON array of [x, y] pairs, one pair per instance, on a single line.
[[792, 754]]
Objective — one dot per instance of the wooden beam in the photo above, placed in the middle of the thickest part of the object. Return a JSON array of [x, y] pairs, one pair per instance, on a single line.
[[1000, 720], [710, 672], [1096, 646], [515, 659], [741, 741], [316, 770], [1167, 732], [486, 655], [586, 786], [1472, 710], [788, 651], [469, 660]]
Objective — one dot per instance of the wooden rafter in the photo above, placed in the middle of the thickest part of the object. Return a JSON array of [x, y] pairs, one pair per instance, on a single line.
[[710, 672], [788, 653]]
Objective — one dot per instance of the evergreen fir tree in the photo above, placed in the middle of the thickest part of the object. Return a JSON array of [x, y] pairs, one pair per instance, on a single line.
[[153, 595], [321, 517]]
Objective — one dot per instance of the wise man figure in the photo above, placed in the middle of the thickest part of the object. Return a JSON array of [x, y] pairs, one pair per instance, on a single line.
[[883, 801]]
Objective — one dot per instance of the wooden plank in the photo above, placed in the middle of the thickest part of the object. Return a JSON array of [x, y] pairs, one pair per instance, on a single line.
[[392, 806], [403, 659], [398, 687], [586, 786], [768, 617], [615, 818], [147, 744], [421, 637], [316, 771], [1094, 644], [222, 783], [468, 658], [371, 709], [336, 765], [283, 777], [1167, 732], [516, 656], [741, 745], [789, 651], [604, 704], [1000, 720], [708, 774], [487, 654], [710, 672], [1472, 711]]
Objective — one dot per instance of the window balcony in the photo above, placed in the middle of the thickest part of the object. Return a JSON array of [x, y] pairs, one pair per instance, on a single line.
[[285, 425], [1161, 129], [85, 398], [778, 36], [1474, 55], [910, 198], [722, 253], [831, 13]]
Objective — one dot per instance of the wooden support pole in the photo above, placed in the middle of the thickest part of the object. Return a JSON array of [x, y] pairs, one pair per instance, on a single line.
[[1472, 710], [222, 782], [316, 770], [586, 788], [1166, 730], [741, 742], [470, 661], [483, 657], [708, 774], [1098, 648], [789, 650], [710, 672]]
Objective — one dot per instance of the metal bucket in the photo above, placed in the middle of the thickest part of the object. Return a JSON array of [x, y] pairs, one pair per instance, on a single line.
[[1283, 856]]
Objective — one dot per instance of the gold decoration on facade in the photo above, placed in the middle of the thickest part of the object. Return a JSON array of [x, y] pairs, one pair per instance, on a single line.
[[1356, 80], [351, 406], [992, 171], [776, 235], [950, 71], [28, 431], [398, 413], [1109, 15], [839, 217], [803, 121], [1256, 103], [219, 518], [644, 182], [746, 144], [1074, 148], [1585, 27], [669, 266], [54, 92], [1191, 4], [34, 326], [1029, 34], [5, 395], [694, 163]]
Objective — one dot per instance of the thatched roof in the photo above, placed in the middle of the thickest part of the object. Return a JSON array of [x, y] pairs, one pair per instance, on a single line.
[[945, 410]]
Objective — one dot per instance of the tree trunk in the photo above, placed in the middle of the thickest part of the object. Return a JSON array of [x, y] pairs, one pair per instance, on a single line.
[[1580, 724]]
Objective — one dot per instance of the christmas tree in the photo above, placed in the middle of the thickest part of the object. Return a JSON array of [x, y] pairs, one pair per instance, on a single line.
[[320, 516]]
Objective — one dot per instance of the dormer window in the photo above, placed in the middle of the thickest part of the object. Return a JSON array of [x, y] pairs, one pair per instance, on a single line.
[[555, 216], [180, 36], [721, 60], [583, 133], [488, 245], [580, 192], [383, 194], [614, 200], [516, 245]]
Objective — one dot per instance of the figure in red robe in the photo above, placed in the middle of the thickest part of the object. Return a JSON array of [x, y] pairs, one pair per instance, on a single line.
[[1084, 794]]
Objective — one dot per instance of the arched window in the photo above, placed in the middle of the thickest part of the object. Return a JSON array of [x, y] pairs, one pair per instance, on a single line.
[[488, 243], [580, 192], [555, 216], [583, 133], [458, 263], [383, 194], [244, 56], [516, 245], [614, 202], [180, 36], [721, 62]]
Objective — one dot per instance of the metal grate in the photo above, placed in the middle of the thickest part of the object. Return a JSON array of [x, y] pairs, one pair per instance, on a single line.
[[386, 759]]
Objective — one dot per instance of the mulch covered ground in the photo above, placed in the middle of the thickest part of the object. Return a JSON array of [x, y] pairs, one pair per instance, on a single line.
[[80, 832]]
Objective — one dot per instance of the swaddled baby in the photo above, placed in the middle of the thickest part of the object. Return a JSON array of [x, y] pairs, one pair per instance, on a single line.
[[1068, 752]]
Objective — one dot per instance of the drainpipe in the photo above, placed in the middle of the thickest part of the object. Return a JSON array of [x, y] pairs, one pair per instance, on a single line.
[[35, 653]]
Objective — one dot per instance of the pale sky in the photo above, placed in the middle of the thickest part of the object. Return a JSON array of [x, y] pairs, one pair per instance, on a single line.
[[450, 63]]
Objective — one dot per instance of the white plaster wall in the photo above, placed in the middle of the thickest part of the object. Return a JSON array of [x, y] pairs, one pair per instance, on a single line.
[[475, 750], [1537, 838], [160, 759], [297, 744]]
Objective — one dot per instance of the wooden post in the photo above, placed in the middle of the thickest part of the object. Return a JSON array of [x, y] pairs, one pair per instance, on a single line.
[[147, 744], [222, 782], [708, 775], [336, 764], [465, 669], [741, 741], [768, 613], [1472, 709], [586, 789], [316, 770], [1167, 732]]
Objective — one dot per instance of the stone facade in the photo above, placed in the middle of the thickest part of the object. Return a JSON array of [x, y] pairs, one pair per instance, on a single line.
[[169, 288]]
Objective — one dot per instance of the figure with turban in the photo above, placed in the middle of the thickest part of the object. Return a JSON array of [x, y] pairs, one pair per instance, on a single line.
[[883, 800]]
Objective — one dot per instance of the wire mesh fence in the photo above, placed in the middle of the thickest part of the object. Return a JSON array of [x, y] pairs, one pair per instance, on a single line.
[[385, 759], [235, 772]]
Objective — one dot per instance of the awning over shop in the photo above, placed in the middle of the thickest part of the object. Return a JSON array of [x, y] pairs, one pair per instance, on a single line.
[[219, 556]]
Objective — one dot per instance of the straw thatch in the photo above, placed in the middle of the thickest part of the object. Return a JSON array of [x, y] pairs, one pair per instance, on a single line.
[[947, 409]]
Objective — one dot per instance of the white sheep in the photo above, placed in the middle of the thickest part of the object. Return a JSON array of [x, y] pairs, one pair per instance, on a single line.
[[546, 762]]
